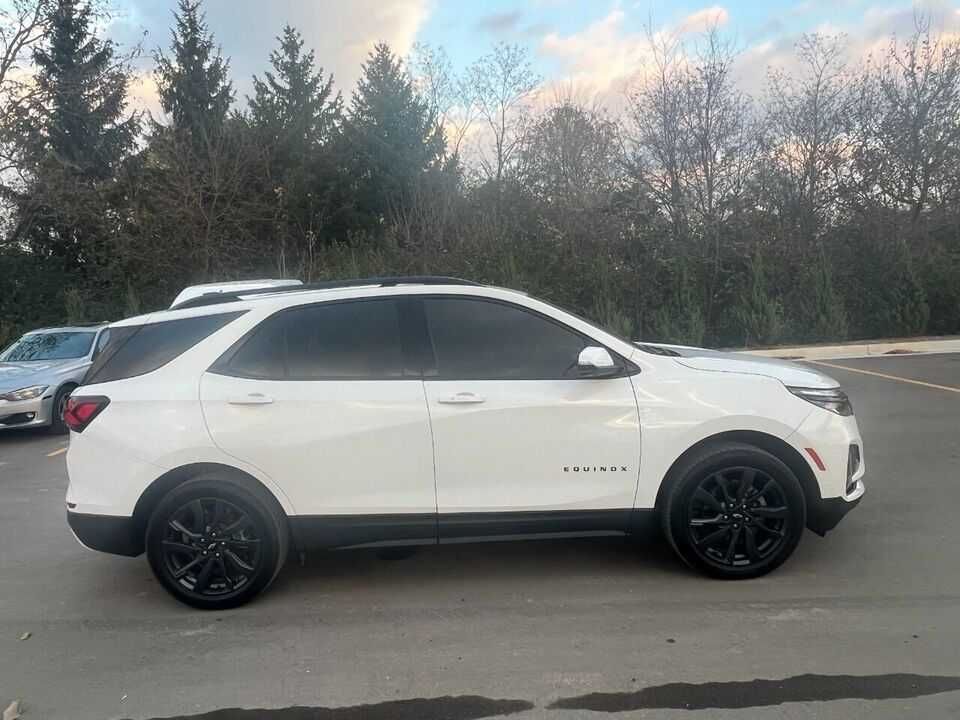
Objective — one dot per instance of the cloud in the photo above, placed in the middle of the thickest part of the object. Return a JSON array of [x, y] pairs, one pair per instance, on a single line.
[[603, 59], [870, 36], [705, 19], [771, 26], [537, 29], [499, 23], [144, 95], [598, 57], [341, 33]]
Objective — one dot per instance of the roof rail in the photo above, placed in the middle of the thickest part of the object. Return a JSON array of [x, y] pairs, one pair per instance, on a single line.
[[73, 325], [217, 298]]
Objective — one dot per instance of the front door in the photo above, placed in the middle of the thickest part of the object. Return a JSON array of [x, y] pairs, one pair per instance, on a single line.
[[320, 398], [522, 444]]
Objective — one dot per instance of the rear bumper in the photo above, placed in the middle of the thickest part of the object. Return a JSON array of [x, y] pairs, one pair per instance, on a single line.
[[106, 533]]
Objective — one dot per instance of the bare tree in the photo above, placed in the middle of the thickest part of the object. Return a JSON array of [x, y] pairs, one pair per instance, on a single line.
[[23, 24], [810, 119], [721, 140], [448, 96], [915, 160], [656, 108], [502, 82], [571, 157], [199, 197], [719, 130]]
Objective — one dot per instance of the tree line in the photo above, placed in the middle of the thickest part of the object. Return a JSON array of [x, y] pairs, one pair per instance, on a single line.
[[825, 208]]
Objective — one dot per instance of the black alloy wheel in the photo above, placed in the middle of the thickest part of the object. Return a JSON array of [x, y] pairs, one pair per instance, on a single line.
[[733, 511], [215, 543], [738, 517], [211, 547]]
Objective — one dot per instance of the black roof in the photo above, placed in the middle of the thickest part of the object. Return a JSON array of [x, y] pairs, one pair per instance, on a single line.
[[216, 298]]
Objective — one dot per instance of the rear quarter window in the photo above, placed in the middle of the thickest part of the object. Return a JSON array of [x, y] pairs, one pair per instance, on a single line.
[[139, 349]]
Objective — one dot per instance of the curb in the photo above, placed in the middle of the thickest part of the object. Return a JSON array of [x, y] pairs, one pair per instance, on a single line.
[[869, 348]]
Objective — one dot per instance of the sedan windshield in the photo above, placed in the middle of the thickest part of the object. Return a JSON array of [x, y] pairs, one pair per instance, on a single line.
[[49, 346]]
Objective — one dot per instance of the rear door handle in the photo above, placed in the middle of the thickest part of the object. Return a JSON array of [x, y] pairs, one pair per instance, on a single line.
[[461, 398], [251, 399]]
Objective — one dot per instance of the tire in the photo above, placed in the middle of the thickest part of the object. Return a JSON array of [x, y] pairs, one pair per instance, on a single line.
[[57, 426], [733, 511], [215, 542]]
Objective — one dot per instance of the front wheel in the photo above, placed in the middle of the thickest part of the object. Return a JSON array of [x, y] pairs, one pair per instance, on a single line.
[[734, 511], [57, 426], [215, 544]]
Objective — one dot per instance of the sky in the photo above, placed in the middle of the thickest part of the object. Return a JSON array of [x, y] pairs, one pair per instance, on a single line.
[[594, 47]]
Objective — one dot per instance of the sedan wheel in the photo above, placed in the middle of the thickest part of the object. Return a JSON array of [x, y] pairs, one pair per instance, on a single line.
[[57, 426]]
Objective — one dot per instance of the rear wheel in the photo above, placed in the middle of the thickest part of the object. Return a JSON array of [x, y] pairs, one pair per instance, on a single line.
[[734, 511], [214, 544]]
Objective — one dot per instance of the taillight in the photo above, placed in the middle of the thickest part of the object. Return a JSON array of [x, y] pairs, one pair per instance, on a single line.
[[80, 411]]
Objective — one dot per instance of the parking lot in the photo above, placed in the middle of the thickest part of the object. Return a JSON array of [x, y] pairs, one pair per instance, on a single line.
[[556, 629]]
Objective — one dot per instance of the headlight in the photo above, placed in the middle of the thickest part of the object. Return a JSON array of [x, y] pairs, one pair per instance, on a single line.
[[27, 393], [835, 400]]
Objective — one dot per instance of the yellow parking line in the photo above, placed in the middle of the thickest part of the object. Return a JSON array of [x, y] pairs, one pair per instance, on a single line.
[[61, 451], [948, 388]]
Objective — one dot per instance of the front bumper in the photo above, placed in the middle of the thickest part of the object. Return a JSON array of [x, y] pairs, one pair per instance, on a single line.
[[827, 442], [825, 514], [26, 413], [106, 533]]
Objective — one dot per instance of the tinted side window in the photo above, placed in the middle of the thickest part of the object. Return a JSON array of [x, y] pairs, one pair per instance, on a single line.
[[344, 341], [481, 340], [139, 349]]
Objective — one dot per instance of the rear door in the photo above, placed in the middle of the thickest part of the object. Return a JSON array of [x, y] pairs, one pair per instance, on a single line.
[[322, 399], [522, 444]]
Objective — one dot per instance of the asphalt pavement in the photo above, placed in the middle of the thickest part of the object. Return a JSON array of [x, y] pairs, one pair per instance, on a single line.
[[864, 623]]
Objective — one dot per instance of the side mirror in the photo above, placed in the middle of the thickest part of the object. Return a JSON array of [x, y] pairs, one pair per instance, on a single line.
[[596, 362]]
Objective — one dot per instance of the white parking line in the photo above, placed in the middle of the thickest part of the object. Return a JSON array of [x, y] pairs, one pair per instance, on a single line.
[[948, 388], [57, 452]]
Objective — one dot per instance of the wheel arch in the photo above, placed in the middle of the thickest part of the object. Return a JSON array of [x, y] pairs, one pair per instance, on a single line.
[[68, 385], [154, 492], [777, 447]]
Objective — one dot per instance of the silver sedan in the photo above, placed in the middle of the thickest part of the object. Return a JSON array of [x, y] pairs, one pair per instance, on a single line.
[[40, 370]]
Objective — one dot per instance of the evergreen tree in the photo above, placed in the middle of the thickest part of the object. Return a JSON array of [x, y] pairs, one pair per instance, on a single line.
[[80, 119], [202, 168], [295, 113], [74, 136], [758, 311], [391, 137], [293, 103], [194, 86]]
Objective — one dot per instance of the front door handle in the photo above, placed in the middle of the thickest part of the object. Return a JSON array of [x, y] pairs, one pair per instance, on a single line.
[[251, 399], [461, 398]]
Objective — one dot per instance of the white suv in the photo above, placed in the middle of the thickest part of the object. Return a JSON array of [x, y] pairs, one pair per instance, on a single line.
[[220, 435]]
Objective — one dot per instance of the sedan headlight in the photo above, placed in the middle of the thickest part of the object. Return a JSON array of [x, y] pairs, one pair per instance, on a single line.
[[27, 393], [835, 400]]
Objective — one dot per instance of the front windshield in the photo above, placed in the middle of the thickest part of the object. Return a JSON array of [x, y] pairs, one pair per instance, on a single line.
[[49, 346]]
